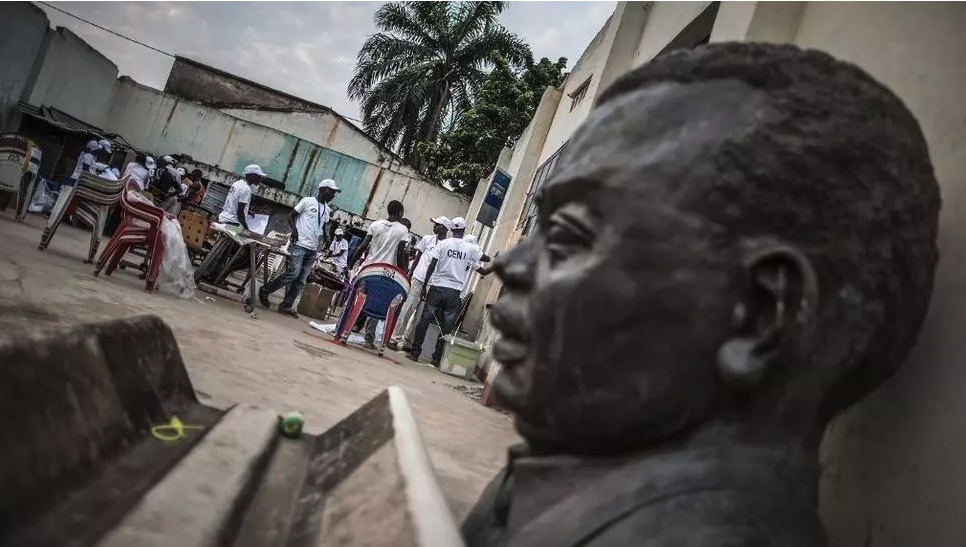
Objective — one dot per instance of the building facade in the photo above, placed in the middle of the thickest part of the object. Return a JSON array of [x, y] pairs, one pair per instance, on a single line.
[[891, 466]]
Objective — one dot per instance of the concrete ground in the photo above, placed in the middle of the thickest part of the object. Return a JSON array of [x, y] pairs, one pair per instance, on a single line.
[[273, 361]]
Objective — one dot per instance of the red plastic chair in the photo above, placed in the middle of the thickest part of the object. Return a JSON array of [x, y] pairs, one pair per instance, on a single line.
[[140, 225]]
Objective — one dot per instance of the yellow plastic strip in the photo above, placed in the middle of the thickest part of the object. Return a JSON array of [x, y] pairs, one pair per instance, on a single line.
[[172, 431]]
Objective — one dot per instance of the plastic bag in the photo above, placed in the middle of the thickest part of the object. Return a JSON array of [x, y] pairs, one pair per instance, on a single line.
[[176, 276], [45, 195], [354, 338]]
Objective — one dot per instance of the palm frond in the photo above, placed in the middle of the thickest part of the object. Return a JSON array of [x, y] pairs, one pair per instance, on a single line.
[[404, 19]]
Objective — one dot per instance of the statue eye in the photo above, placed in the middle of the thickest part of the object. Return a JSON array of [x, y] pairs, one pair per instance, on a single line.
[[565, 239]]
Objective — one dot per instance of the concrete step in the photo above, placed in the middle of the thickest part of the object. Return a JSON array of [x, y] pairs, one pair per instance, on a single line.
[[233, 481], [193, 503]]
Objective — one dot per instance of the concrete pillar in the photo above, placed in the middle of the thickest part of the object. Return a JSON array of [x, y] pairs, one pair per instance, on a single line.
[[521, 167], [624, 37], [775, 22]]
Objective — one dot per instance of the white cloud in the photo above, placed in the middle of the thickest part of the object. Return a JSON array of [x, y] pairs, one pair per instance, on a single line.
[[307, 49]]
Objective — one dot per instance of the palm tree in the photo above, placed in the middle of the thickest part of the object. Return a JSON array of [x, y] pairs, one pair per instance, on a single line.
[[424, 67]]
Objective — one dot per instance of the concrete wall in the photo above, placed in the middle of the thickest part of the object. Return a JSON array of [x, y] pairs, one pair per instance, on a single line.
[[73, 77], [423, 200], [521, 167], [325, 129], [565, 120], [210, 86], [153, 120], [22, 29], [894, 465]]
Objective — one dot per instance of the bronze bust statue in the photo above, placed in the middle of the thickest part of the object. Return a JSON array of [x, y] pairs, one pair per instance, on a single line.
[[738, 244]]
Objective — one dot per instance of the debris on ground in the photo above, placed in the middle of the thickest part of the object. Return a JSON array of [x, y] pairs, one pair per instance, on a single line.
[[476, 393]]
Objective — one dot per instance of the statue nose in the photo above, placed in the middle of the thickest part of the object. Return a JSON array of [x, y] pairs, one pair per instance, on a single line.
[[516, 266]]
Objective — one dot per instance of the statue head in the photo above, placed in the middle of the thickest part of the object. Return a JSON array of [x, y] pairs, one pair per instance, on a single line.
[[740, 236]]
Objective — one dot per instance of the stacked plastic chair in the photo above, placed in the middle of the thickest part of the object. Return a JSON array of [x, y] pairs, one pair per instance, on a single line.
[[91, 200], [15, 174], [378, 292], [140, 225]]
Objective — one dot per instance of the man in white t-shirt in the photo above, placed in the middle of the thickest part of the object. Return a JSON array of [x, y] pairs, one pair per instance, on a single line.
[[137, 171], [85, 162], [337, 254], [308, 223], [405, 326], [451, 262], [385, 242], [235, 209]]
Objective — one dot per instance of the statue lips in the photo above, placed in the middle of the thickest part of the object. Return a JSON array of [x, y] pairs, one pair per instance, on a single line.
[[511, 350]]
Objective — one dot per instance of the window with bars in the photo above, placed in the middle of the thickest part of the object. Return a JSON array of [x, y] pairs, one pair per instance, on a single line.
[[539, 179]]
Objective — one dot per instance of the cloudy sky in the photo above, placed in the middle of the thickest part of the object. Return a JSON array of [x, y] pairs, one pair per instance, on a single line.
[[307, 49]]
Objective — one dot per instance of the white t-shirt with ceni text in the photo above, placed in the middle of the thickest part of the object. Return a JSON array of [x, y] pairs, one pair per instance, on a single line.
[[455, 259], [310, 222], [240, 192], [425, 246], [386, 237]]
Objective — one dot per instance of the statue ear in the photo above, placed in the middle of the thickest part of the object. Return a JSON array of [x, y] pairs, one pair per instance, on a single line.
[[780, 292]]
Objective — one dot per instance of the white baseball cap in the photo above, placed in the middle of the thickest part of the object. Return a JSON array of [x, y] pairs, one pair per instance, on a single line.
[[105, 145], [339, 232], [254, 170], [470, 238], [168, 159], [329, 183], [442, 221], [457, 224]]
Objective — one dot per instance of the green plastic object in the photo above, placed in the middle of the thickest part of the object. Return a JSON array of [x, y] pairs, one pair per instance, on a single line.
[[290, 424], [460, 357]]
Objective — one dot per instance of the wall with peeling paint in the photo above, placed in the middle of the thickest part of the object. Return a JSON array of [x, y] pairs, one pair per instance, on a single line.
[[152, 120], [423, 200], [326, 129]]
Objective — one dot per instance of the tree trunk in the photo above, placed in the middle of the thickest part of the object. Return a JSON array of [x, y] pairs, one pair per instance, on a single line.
[[429, 135]]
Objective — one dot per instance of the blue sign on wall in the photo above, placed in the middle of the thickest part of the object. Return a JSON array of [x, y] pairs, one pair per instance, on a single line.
[[495, 194]]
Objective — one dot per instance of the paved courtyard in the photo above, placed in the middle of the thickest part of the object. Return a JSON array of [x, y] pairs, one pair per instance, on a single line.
[[273, 361]]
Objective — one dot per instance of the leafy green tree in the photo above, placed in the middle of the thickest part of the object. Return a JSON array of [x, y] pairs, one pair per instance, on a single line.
[[504, 106], [422, 70]]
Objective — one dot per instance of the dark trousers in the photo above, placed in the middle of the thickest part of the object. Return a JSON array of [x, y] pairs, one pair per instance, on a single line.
[[297, 270], [442, 305]]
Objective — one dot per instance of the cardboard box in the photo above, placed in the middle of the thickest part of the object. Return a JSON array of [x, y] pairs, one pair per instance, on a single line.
[[315, 301]]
